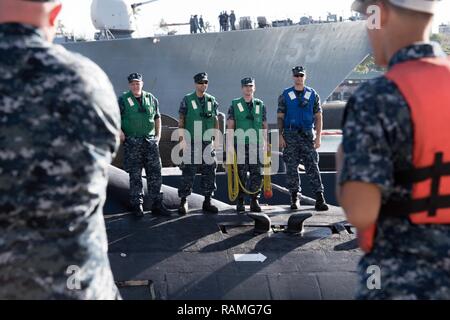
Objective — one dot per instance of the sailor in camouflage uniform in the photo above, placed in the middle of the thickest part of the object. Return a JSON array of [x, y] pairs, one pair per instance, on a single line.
[[414, 259], [141, 132], [59, 123], [247, 116], [299, 113], [198, 119]]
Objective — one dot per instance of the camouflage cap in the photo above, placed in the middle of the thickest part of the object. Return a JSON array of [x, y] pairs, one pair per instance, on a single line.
[[425, 6], [298, 70], [248, 81], [135, 77], [201, 77]]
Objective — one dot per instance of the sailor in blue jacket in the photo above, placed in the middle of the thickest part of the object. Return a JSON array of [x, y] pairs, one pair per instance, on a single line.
[[300, 125]]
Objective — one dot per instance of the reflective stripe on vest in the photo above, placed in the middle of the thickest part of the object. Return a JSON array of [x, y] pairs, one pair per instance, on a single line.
[[248, 120], [204, 118], [134, 122], [298, 117]]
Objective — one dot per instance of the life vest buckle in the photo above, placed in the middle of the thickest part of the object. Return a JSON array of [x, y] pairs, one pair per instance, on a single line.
[[206, 115]]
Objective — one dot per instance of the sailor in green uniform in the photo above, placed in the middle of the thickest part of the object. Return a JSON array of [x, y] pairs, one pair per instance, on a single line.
[[248, 118], [198, 117], [141, 132]]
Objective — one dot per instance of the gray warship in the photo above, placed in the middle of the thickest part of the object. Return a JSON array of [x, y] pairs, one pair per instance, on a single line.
[[292, 255]]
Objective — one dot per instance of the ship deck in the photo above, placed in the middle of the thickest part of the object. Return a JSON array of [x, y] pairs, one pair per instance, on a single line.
[[193, 257]]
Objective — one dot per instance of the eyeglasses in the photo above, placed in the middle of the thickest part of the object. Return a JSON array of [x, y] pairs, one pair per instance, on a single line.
[[299, 75]]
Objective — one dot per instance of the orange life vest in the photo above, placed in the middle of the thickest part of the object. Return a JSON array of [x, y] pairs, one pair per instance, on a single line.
[[425, 85]]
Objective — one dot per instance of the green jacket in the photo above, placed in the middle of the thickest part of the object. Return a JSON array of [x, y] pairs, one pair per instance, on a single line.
[[248, 120], [204, 116], [136, 123]]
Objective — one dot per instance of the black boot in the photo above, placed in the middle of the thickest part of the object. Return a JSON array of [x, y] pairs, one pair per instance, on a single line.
[[240, 206], [158, 208], [320, 202], [254, 205], [138, 211], [183, 209], [295, 202], [208, 207]]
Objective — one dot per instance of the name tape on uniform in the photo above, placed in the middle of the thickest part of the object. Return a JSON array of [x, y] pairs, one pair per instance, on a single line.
[[130, 101], [194, 105], [257, 109], [209, 106], [292, 95], [241, 108], [307, 95]]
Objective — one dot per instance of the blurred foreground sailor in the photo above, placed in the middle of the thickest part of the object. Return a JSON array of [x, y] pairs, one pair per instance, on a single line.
[[395, 157], [59, 130]]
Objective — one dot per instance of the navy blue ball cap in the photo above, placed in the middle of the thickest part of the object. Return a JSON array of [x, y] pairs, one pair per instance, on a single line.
[[298, 70], [248, 81], [201, 77], [135, 77]]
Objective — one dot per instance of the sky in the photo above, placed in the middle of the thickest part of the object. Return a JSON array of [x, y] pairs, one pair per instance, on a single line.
[[77, 19]]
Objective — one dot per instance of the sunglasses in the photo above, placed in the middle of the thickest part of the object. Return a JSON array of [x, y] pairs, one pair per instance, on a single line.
[[202, 82], [299, 75]]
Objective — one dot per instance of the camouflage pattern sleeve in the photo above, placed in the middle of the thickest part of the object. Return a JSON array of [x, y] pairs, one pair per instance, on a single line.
[[317, 104], [264, 115], [121, 104], [183, 107], [281, 104], [157, 114], [230, 114], [376, 138], [367, 151], [55, 148]]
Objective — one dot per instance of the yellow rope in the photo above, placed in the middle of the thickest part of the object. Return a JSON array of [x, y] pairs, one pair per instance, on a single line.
[[267, 173], [234, 182]]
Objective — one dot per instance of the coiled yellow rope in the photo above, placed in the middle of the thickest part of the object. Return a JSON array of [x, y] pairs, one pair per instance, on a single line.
[[234, 182]]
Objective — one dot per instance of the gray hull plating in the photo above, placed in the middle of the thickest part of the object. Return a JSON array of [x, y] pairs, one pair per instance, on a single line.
[[329, 52]]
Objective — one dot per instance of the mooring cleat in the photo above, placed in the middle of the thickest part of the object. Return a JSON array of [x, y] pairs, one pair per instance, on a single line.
[[262, 222], [296, 222]]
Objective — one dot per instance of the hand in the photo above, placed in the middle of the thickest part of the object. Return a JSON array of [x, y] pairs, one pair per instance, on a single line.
[[158, 139], [317, 143], [122, 136], [282, 142]]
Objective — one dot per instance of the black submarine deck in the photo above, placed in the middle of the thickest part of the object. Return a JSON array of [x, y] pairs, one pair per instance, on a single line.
[[193, 257]]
